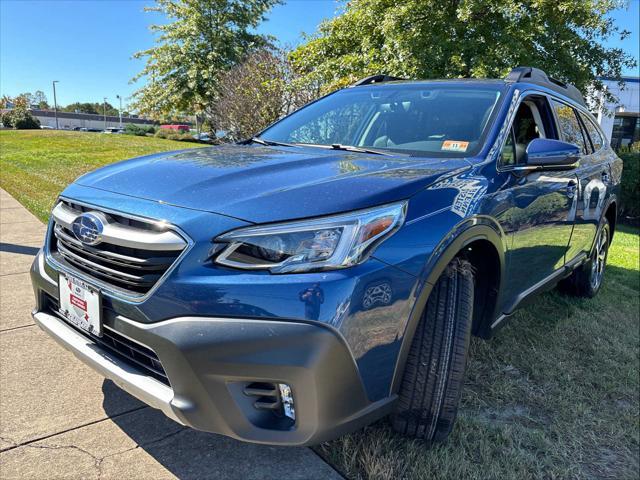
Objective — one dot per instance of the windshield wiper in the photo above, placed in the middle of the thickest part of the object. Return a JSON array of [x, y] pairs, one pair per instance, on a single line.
[[334, 146], [269, 143], [347, 148], [351, 148]]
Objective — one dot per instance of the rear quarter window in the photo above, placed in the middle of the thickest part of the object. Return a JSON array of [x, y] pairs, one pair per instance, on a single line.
[[592, 130]]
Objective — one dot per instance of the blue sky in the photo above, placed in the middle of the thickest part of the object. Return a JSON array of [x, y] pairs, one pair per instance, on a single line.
[[87, 44]]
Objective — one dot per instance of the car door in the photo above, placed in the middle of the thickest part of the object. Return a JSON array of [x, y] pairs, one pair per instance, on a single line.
[[540, 214], [593, 174]]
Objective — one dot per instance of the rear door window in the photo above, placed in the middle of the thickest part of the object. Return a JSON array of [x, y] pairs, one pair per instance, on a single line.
[[569, 126]]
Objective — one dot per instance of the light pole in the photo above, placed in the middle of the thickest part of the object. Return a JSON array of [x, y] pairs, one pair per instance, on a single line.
[[120, 109], [55, 102], [104, 109]]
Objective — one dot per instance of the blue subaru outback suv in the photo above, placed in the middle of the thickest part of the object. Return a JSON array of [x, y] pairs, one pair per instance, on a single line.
[[331, 270]]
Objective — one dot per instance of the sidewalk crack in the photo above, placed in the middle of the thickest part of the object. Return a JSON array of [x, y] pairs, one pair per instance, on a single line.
[[16, 328]]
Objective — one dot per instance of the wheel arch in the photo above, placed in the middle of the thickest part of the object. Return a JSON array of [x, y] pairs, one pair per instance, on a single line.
[[483, 243], [611, 214]]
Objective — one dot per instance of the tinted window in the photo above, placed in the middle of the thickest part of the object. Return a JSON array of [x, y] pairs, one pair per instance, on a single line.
[[440, 119], [592, 130], [569, 126]]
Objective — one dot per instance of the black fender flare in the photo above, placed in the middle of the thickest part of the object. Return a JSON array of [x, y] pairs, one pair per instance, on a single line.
[[463, 233], [612, 199]]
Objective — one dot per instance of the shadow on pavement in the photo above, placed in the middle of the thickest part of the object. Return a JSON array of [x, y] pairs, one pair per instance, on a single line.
[[21, 249], [191, 454]]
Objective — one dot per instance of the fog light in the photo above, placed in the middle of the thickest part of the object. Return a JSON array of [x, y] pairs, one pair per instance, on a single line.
[[287, 401]]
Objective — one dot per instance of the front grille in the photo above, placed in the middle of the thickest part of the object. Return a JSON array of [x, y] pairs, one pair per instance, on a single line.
[[132, 352], [132, 256]]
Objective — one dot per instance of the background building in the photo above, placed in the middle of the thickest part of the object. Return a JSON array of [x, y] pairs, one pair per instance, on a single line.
[[69, 121], [621, 120]]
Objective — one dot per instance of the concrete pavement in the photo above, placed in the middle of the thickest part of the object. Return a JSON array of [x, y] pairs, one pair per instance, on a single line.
[[59, 419]]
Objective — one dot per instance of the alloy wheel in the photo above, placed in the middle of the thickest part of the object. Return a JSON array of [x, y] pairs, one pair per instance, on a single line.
[[599, 258]]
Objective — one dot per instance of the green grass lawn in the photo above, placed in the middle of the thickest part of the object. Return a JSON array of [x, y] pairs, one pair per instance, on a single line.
[[554, 395], [35, 165]]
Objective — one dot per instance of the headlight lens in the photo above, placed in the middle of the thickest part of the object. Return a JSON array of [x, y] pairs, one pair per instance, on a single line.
[[318, 244]]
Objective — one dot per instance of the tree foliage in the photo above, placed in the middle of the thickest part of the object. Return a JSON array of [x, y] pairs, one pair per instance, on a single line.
[[19, 117], [40, 99], [630, 187], [256, 93], [465, 38], [37, 99], [203, 39], [97, 108]]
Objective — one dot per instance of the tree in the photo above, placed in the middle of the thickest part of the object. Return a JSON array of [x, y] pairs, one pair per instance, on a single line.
[[256, 93], [96, 108], [28, 98], [203, 39], [40, 99], [79, 107], [465, 38], [19, 117]]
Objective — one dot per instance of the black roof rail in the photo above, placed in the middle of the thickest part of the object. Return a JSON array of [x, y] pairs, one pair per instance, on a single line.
[[539, 77], [376, 79]]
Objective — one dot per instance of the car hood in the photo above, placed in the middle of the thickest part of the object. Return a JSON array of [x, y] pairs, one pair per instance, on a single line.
[[266, 184]]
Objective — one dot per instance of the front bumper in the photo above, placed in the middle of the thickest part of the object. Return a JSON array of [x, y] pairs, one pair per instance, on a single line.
[[209, 360]]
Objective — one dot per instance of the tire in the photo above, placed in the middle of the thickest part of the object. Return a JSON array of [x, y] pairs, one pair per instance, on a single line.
[[586, 280], [434, 373]]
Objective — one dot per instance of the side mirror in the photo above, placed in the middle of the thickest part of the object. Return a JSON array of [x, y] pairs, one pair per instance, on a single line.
[[551, 154]]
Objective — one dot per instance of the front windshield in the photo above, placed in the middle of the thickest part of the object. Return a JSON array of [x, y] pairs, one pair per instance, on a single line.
[[421, 119]]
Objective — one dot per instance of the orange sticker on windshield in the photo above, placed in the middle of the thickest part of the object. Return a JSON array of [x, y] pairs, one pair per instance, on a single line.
[[454, 146]]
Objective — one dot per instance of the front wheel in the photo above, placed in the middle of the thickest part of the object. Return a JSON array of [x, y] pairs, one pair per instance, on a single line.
[[587, 279], [434, 372]]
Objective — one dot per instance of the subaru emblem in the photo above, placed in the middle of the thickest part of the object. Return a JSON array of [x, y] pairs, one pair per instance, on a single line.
[[88, 228]]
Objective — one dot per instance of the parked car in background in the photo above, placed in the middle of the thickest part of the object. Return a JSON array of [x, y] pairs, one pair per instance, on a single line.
[[46, 127], [177, 128], [113, 130], [332, 269], [203, 137]]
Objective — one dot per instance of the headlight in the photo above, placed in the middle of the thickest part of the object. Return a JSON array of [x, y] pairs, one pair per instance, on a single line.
[[319, 244]]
